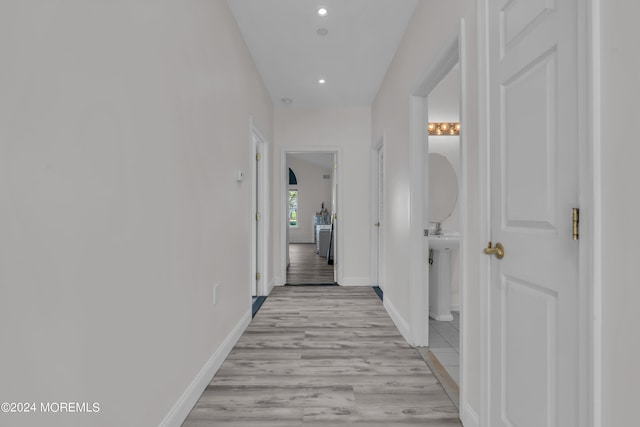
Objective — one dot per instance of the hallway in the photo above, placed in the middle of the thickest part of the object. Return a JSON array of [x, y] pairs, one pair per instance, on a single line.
[[143, 192], [307, 267], [325, 356]]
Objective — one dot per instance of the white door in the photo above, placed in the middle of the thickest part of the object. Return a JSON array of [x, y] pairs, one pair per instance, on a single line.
[[380, 216], [258, 224], [534, 294]]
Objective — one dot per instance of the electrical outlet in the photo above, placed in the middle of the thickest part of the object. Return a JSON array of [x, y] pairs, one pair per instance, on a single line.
[[215, 293]]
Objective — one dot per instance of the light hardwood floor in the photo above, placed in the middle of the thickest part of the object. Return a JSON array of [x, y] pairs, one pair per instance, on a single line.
[[307, 267], [323, 356]]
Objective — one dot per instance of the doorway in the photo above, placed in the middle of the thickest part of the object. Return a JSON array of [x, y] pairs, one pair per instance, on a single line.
[[443, 162], [311, 239], [451, 57]]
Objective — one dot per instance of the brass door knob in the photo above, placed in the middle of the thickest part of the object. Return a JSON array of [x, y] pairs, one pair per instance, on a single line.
[[498, 251]]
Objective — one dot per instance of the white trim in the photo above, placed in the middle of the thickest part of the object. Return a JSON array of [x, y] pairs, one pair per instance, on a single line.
[[593, 201], [355, 281], [484, 216], [418, 276], [468, 415], [284, 175], [465, 219], [189, 398], [587, 265], [397, 319]]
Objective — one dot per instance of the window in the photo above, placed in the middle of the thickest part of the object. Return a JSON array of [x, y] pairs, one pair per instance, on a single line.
[[293, 208]]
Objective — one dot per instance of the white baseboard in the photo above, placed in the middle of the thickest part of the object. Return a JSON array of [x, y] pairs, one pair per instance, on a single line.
[[398, 320], [270, 287], [189, 398], [355, 281], [455, 307], [468, 416]]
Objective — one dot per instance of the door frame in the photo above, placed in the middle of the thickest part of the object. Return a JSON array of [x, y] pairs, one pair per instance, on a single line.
[[589, 268], [259, 233], [284, 203], [375, 193]]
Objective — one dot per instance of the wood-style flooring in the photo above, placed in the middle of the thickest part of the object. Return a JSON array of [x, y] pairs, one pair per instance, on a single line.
[[307, 267], [323, 356]]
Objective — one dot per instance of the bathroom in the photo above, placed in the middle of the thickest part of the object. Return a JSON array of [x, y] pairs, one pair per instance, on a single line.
[[444, 157]]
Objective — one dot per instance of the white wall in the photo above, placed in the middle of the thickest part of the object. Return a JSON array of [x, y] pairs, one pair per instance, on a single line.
[[313, 190], [121, 126], [350, 130], [620, 207], [434, 23]]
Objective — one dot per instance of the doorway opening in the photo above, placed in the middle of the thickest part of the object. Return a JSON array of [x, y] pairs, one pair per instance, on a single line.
[[431, 253], [311, 239], [443, 162]]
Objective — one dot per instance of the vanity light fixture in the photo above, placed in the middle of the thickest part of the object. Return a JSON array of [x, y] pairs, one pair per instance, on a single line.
[[443, 128]]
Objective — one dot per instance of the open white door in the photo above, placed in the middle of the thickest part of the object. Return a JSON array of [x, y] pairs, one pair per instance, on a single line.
[[258, 222], [380, 216], [259, 212], [534, 332]]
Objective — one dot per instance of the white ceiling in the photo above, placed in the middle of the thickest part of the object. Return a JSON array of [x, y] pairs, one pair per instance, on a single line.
[[363, 36]]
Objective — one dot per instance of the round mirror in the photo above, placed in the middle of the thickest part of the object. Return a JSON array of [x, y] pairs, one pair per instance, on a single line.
[[443, 188]]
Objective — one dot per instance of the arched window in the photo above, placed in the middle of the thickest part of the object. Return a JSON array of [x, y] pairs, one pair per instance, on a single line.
[[293, 200]]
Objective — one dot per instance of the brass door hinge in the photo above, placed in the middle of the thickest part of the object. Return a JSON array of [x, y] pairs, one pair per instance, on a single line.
[[258, 216], [257, 276], [576, 223], [258, 156]]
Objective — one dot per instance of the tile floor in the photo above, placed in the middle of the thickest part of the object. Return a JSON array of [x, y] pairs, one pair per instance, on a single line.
[[444, 343]]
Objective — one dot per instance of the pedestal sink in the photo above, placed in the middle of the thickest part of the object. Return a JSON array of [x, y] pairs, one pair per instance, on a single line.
[[440, 275]]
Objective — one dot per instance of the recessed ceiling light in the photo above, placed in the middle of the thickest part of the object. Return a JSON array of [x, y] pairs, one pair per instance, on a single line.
[[286, 101], [322, 11], [322, 81]]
